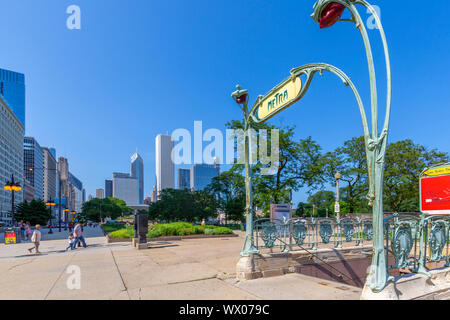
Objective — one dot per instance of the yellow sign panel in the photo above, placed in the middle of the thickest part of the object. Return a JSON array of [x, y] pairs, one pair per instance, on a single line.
[[437, 171], [280, 97]]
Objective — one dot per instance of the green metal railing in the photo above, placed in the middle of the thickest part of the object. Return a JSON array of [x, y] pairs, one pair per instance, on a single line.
[[413, 241], [311, 233]]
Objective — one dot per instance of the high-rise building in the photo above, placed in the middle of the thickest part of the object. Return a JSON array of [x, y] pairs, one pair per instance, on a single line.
[[12, 89], [165, 170], [76, 193], [28, 191], [125, 188], [154, 194], [108, 188], [184, 179], [33, 160], [100, 194], [137, 171], [11, 157], [202, 174], [50, 175]]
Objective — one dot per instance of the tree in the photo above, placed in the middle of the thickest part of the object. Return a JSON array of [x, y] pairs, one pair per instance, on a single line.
[[350, 160], [405, 160], [96, 209], [183, 205], [229, 190], [322, 201], [36, 212], [299, 166]]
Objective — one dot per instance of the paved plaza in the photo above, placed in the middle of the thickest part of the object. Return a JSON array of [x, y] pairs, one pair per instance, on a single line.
[[188, 269]]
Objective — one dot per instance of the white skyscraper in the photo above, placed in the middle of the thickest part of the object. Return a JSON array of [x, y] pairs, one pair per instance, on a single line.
[[165, 169]]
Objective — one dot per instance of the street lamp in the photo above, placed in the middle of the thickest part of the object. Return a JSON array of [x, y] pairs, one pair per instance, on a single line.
[[66, 212], [337, 206], [73, 213], [327, 13], [50, 203], [12, 186], [240, 96]]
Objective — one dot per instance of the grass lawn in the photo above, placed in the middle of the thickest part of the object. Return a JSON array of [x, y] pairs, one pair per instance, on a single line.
[[171, 229]]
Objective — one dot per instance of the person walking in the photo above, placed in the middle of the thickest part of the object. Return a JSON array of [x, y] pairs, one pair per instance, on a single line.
[[22, 230], [78, 233], [36, 239], [28, 231], [71, 239]]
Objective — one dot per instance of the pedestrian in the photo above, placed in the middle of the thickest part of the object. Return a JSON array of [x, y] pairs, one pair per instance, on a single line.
[[28, 228], [70, 226], [22, 229], [71, 240], [78, 233], [36, 239]]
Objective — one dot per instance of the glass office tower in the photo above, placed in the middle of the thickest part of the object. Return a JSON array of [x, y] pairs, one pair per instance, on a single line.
[[137, 171], [202, 174], [184, 179], [33, 161], [12, 89]]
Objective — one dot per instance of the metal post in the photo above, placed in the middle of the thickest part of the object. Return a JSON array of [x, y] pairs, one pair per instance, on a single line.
[[375, 143], [241, 98], [12, 207], [60, 200]]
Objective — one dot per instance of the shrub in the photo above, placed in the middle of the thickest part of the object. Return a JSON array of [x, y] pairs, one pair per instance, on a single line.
[[127, 233]]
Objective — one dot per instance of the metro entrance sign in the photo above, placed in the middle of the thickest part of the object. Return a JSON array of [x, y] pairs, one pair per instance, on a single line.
[[279, 98]]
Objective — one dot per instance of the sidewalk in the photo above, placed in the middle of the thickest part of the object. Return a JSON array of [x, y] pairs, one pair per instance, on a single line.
[[188, 269]]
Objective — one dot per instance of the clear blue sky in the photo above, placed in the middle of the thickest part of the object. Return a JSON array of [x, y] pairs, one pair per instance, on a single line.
[[142, 67]]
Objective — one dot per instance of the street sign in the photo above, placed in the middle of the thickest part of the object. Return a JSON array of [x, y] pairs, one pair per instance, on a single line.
[[10, 236], [435, 190], [337, 207], [279, 98]]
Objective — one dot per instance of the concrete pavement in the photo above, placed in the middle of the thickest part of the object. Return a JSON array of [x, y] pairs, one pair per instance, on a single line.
[[188, 269]]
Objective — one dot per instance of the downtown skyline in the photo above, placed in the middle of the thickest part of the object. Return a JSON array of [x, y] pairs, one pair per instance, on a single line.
[[103, 109]]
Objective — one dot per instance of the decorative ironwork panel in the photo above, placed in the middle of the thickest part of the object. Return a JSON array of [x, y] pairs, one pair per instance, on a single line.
[[368, 230], [402, 243], [325, 231], [299, 232], [349, 230], [437, 241], [269, 234]]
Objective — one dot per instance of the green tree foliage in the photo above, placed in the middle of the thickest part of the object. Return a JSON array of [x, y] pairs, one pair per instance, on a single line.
[[350, 160], [405, 160], [183, 205], [96, 209], [322, 200], [299, 166], [36, 212], [229, 190]]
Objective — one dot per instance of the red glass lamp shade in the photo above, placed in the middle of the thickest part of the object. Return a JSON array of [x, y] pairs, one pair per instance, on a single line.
[[331, 14], [241, 99]]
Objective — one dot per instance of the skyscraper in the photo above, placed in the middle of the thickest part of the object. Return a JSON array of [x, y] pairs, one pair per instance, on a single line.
[[165, 170], [108, 188], [137, 171], [33, 161], [125, 188], [100, 194], [12, 89], [184, 179], [202, 174], [50, 179], [76, 193]]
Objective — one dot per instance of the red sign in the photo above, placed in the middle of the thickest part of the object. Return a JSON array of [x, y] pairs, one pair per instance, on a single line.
[[435, 194]]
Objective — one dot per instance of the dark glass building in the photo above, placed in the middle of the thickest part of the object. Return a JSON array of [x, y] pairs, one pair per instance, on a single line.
[[184, 179], [12, 88], [202, 174], [33, 161], [108, 188]]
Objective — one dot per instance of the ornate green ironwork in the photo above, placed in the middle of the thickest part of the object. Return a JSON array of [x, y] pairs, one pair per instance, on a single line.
[[269, 234], [402, 244], [325, 231], [300, 232], [349, 230]]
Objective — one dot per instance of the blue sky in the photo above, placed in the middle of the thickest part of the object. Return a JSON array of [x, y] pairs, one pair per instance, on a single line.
[[142, 67]]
